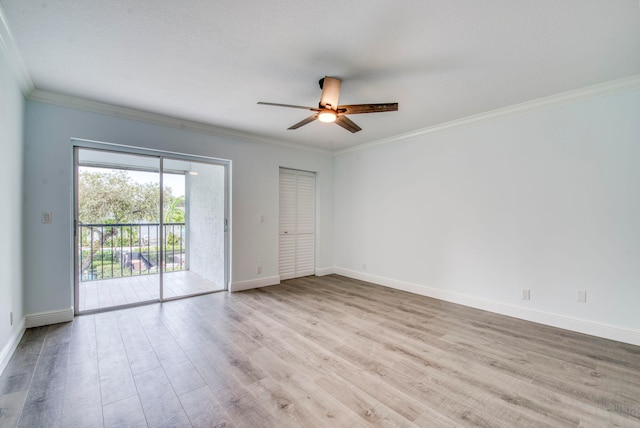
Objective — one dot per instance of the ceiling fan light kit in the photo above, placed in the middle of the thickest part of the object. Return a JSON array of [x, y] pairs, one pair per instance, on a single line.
[[329, 111], [327, 116]]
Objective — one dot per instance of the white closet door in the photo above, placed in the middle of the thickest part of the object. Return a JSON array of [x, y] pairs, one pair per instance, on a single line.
[[287, 224], [297, 223]]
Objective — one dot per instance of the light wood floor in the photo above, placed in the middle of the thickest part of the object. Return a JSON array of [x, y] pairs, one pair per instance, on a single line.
[[106, 293], [317, 352]]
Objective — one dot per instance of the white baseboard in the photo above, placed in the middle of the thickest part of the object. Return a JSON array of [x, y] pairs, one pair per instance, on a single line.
[[254, 283], [587, 327], [10, 347], [325, 271], [47, 318]]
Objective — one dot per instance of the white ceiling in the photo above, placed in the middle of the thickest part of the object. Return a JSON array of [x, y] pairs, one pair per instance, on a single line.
[[211, 61]]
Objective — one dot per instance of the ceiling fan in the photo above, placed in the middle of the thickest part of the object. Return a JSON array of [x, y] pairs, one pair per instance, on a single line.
[[328, 109]]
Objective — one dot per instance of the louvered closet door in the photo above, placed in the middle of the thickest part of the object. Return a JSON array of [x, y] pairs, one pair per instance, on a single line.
[[297, 223], [287, 224]]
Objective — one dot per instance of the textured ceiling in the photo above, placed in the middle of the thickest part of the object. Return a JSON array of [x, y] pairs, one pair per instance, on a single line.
[[212, 61]]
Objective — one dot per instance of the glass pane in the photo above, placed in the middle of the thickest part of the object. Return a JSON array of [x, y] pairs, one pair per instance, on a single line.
[[194, 214], [118, 206]]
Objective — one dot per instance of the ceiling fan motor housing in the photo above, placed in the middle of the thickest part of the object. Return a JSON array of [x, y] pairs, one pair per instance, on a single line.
[[330, 92]]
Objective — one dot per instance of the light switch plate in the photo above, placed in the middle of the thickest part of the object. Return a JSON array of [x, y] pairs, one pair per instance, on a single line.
[[582, 296], [47, 217]]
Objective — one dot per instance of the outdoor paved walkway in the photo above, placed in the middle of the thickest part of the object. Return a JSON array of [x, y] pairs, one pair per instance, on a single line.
[[106, 293]]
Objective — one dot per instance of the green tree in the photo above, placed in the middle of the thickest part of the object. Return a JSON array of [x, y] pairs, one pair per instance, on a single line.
[[174, 210], [113, 198]]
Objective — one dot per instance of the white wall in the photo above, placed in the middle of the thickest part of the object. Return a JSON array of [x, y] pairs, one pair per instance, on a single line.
[[205, 199], [546, 200], [11, 136], [48, 187]]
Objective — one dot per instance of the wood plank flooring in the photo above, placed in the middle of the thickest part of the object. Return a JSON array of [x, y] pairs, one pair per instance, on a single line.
[[316, 352]]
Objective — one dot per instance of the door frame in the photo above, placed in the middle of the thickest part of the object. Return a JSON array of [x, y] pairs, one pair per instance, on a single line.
[[77, 144]]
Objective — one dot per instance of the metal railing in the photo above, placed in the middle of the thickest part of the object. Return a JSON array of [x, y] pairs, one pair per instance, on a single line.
[[121, 250]]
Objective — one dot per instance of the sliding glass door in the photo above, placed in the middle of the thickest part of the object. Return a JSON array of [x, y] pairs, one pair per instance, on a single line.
[[148, 227], [194, 251]]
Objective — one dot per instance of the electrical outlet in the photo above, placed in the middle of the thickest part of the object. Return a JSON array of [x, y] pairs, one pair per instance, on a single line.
[[526, 294], [582, 296], [258, 269], [47, 217], [364, 266]]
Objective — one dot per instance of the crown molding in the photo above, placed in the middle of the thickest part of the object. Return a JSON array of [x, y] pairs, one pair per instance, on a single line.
[[158, 119], [582, 94], [577, 95], [11, 52]]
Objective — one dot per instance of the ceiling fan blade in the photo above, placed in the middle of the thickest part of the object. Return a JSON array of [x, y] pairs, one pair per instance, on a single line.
[[367, 108], [330, 92], [289, 105], [304, 121], [347, 124]]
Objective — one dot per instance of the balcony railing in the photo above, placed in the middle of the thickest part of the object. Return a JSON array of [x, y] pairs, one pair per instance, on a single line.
[[121, 250]]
